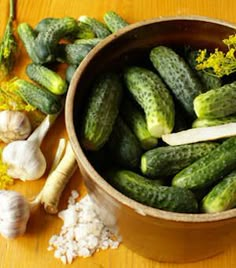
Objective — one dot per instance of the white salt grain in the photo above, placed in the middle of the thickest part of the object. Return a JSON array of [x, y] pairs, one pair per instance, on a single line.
[[83, 232]]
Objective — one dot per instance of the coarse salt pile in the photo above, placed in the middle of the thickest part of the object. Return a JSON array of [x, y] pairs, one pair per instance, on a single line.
[[83, 232]]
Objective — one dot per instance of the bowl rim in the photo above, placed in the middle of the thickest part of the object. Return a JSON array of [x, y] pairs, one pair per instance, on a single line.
[[94, 175]]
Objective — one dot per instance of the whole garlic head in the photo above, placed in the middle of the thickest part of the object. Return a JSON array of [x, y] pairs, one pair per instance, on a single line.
[[14, 125], [14, 214], [24, 159]]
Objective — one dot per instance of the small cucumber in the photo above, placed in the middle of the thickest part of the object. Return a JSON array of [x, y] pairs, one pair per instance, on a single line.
[[217, 102], [98, 27], [207, 77], [208, 169], [91, 42], [38, 97], [169, 160], [114, 21], [27, 36], [46, 41], [135, 119], [124, 147], [44, 24], [222, 196], [150, 193], [70, 70], [178, 75], [153, 96], [47, 78], [85, 31], [101, 111], [207, 122]]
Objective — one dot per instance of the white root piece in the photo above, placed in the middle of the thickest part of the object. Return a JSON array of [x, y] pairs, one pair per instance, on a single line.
[[57, 180], [200, 134], [25, 159]]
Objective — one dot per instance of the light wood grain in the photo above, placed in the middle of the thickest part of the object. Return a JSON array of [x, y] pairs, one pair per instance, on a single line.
[[31, 250]]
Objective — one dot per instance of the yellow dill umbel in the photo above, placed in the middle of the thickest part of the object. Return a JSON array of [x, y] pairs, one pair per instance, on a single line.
[[5, 180]]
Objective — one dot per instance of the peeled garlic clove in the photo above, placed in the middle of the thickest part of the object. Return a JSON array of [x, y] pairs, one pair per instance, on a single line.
[[14, 214], [24, 159], [14, 125]]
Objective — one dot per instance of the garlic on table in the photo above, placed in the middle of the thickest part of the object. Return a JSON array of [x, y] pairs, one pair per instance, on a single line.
[[14, 125], [24, 158], [14, 214]]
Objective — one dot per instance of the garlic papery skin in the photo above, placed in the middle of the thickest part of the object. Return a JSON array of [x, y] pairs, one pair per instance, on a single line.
[[25, 161], [14, 125], [14, 214]]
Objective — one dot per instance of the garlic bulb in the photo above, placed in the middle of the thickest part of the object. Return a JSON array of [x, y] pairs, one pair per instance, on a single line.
[[14, 125], [14, 214], [24, 159]]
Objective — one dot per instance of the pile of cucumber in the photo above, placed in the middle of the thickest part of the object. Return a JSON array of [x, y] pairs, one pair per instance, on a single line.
[[55, 41], [130, 116]]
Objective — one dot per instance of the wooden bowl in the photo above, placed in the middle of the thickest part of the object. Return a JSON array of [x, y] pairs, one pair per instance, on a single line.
[[156, 234]]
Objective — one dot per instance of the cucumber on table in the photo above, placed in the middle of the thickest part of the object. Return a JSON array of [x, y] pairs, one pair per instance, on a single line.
[[217, 102], [178, 75], [101, 111], [91, 42], [85, 31], [47, 78], [150, 193], [169, 160], [208, 169], [124, 147], [114, 21], [43, 24], [209, 122], [135, 119], [153, 96], [222, 196], [38, 97]]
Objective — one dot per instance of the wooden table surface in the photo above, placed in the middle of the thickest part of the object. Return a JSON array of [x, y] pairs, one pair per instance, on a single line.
[[30, 251]]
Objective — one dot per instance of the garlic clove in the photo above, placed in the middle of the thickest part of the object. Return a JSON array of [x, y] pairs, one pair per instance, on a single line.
[[14, 125], [24, 159]]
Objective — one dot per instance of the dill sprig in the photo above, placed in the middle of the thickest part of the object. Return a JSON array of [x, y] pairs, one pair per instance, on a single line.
[[8, 45], [222, 63]]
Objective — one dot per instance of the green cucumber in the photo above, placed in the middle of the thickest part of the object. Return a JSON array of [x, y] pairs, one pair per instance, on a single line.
[[178, 75], [207, 77], [44, 24], [47, 78], [91, 42], [216, 103], [101, 111], [222, 196], [124, 147], [70, 70], [208, 169], [153, 96], [135, 119], [149, 193], [207, 122], [85, 31], [38, 97], [114, 21], [27, 36], [98, 27], [169, 160], [46, 41]]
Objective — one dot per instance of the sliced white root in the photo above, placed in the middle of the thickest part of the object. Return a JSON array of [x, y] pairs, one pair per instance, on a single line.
[[59, 154], [200, 134]]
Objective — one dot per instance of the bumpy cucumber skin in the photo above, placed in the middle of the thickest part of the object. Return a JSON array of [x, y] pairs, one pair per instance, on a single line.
[[91, 42], [47, 78], [135, 119], [178, 75], [169, 160], [208, 169], [101, 111], [75, 53], [38, 97], [216, 103], [153, 96], [124, 146], [47, 41], [70, 72], [98, 27], [208, 79], [147, 192], [207, 122], [222, 196], [85, 31], [114, 21], [44, 24], [27, 36]]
